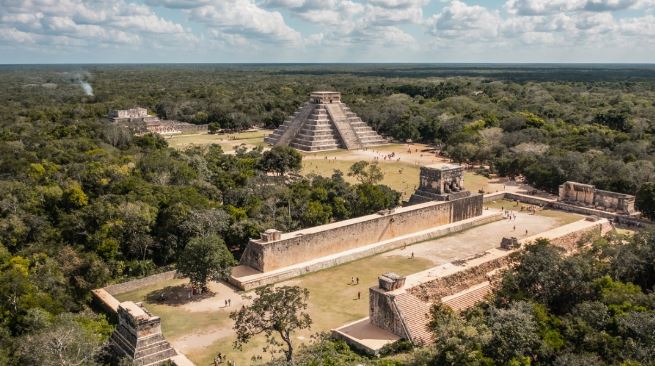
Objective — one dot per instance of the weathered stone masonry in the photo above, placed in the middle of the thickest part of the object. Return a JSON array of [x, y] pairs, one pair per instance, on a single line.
[[304, 245], [588, 195], [441, 183]]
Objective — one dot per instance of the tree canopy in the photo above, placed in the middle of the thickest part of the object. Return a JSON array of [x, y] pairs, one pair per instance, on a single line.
[[277, 312]]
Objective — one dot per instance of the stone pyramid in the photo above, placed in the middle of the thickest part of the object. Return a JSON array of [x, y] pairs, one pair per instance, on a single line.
[[324, 123], [138, 337]]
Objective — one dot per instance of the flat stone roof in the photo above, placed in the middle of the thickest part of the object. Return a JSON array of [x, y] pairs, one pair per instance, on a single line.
[[442, 166], [134, 310], [367, 335]]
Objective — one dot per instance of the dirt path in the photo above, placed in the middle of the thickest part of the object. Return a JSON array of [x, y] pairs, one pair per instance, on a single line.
[[201, 340]]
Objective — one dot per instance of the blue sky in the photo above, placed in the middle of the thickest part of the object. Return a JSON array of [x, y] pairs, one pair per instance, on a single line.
[[97, 31]]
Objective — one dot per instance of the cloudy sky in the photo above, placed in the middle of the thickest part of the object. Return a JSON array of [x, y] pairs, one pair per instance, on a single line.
[[97, 31]]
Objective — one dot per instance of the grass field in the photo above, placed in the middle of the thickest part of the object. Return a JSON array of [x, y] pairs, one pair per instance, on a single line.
[[400, 176], [332, 302]]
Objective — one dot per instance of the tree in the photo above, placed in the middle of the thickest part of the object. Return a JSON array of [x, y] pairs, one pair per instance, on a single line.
[[204, 259], [366, 172], [457, 341], [645, 200], [275, 312], [213, 127], [280, 159], [71, 340], [514, 333]]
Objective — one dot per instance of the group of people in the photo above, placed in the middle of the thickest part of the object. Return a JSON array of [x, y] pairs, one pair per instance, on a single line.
[[355, 281], [507, 214], [221, 359]]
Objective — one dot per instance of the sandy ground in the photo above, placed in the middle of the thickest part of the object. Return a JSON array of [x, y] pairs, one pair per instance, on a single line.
[[478, 239], [415, 154], [223, 292]]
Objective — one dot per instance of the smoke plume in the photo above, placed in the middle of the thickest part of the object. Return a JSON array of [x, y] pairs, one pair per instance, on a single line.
[[88, 90]]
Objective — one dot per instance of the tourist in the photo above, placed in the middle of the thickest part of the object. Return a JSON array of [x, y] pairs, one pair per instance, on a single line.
[[225, 304], [357, 280], [412, 255], [352, 280], [359, 295], [514, 228]]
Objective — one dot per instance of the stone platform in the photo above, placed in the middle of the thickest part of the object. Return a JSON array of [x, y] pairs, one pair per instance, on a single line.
[[404, 310], [246, 277]]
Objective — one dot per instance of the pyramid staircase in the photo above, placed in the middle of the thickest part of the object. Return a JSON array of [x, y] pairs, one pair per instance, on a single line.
[[138, 337], [324, 123]]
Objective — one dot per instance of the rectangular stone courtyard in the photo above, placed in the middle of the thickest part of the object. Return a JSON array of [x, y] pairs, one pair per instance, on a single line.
[[201, 328]]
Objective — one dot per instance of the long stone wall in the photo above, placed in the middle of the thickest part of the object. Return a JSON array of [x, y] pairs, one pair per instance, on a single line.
[[304, 245], [128, 286], [436, 283]]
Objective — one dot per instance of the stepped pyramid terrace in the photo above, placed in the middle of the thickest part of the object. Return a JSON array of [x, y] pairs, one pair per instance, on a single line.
[[324, 123]]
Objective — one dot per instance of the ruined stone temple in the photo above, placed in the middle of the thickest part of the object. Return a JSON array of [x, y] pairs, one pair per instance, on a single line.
[[324, 123], [587, 195], [440, 183], [138, 336]]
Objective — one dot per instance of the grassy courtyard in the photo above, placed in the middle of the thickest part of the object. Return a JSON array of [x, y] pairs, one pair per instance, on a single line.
[[403, 177], [332, 302]]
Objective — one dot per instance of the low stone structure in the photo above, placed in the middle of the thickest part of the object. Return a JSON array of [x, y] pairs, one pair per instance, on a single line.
[[272, 252], [587, 195], [324, 123], [401, 306], [138, 120], [440, 183], [138, 336]]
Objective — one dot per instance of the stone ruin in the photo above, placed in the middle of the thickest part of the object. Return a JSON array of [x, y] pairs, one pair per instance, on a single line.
[[510, 243], [138, 120], [440, 183], [391, 281], [587, 195], [138, 337], [324, 123]]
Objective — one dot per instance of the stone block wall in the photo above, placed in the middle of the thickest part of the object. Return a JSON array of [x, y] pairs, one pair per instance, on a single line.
[[588, 195], [384, 314], [433, 291], [320, 241], [128, 286]]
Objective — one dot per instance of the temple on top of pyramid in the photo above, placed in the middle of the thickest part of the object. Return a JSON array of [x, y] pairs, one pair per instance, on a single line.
[[324, 123]]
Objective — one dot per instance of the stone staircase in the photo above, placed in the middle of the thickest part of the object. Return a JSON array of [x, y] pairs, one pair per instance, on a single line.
[[324, 123], [414, 313], [346, 131], [469, 297], [316, 133], [365, 134], [288, 130], [152, 350], [138, 337]]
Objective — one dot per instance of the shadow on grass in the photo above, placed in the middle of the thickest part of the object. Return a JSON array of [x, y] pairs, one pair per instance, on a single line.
[[176, 295]]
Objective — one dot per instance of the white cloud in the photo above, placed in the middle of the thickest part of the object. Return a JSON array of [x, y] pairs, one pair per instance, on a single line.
[[83, 23], [461, 21], [245, 18], [543, 7]]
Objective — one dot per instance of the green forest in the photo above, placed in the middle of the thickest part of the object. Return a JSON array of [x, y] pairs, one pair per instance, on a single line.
[[84, 203]]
